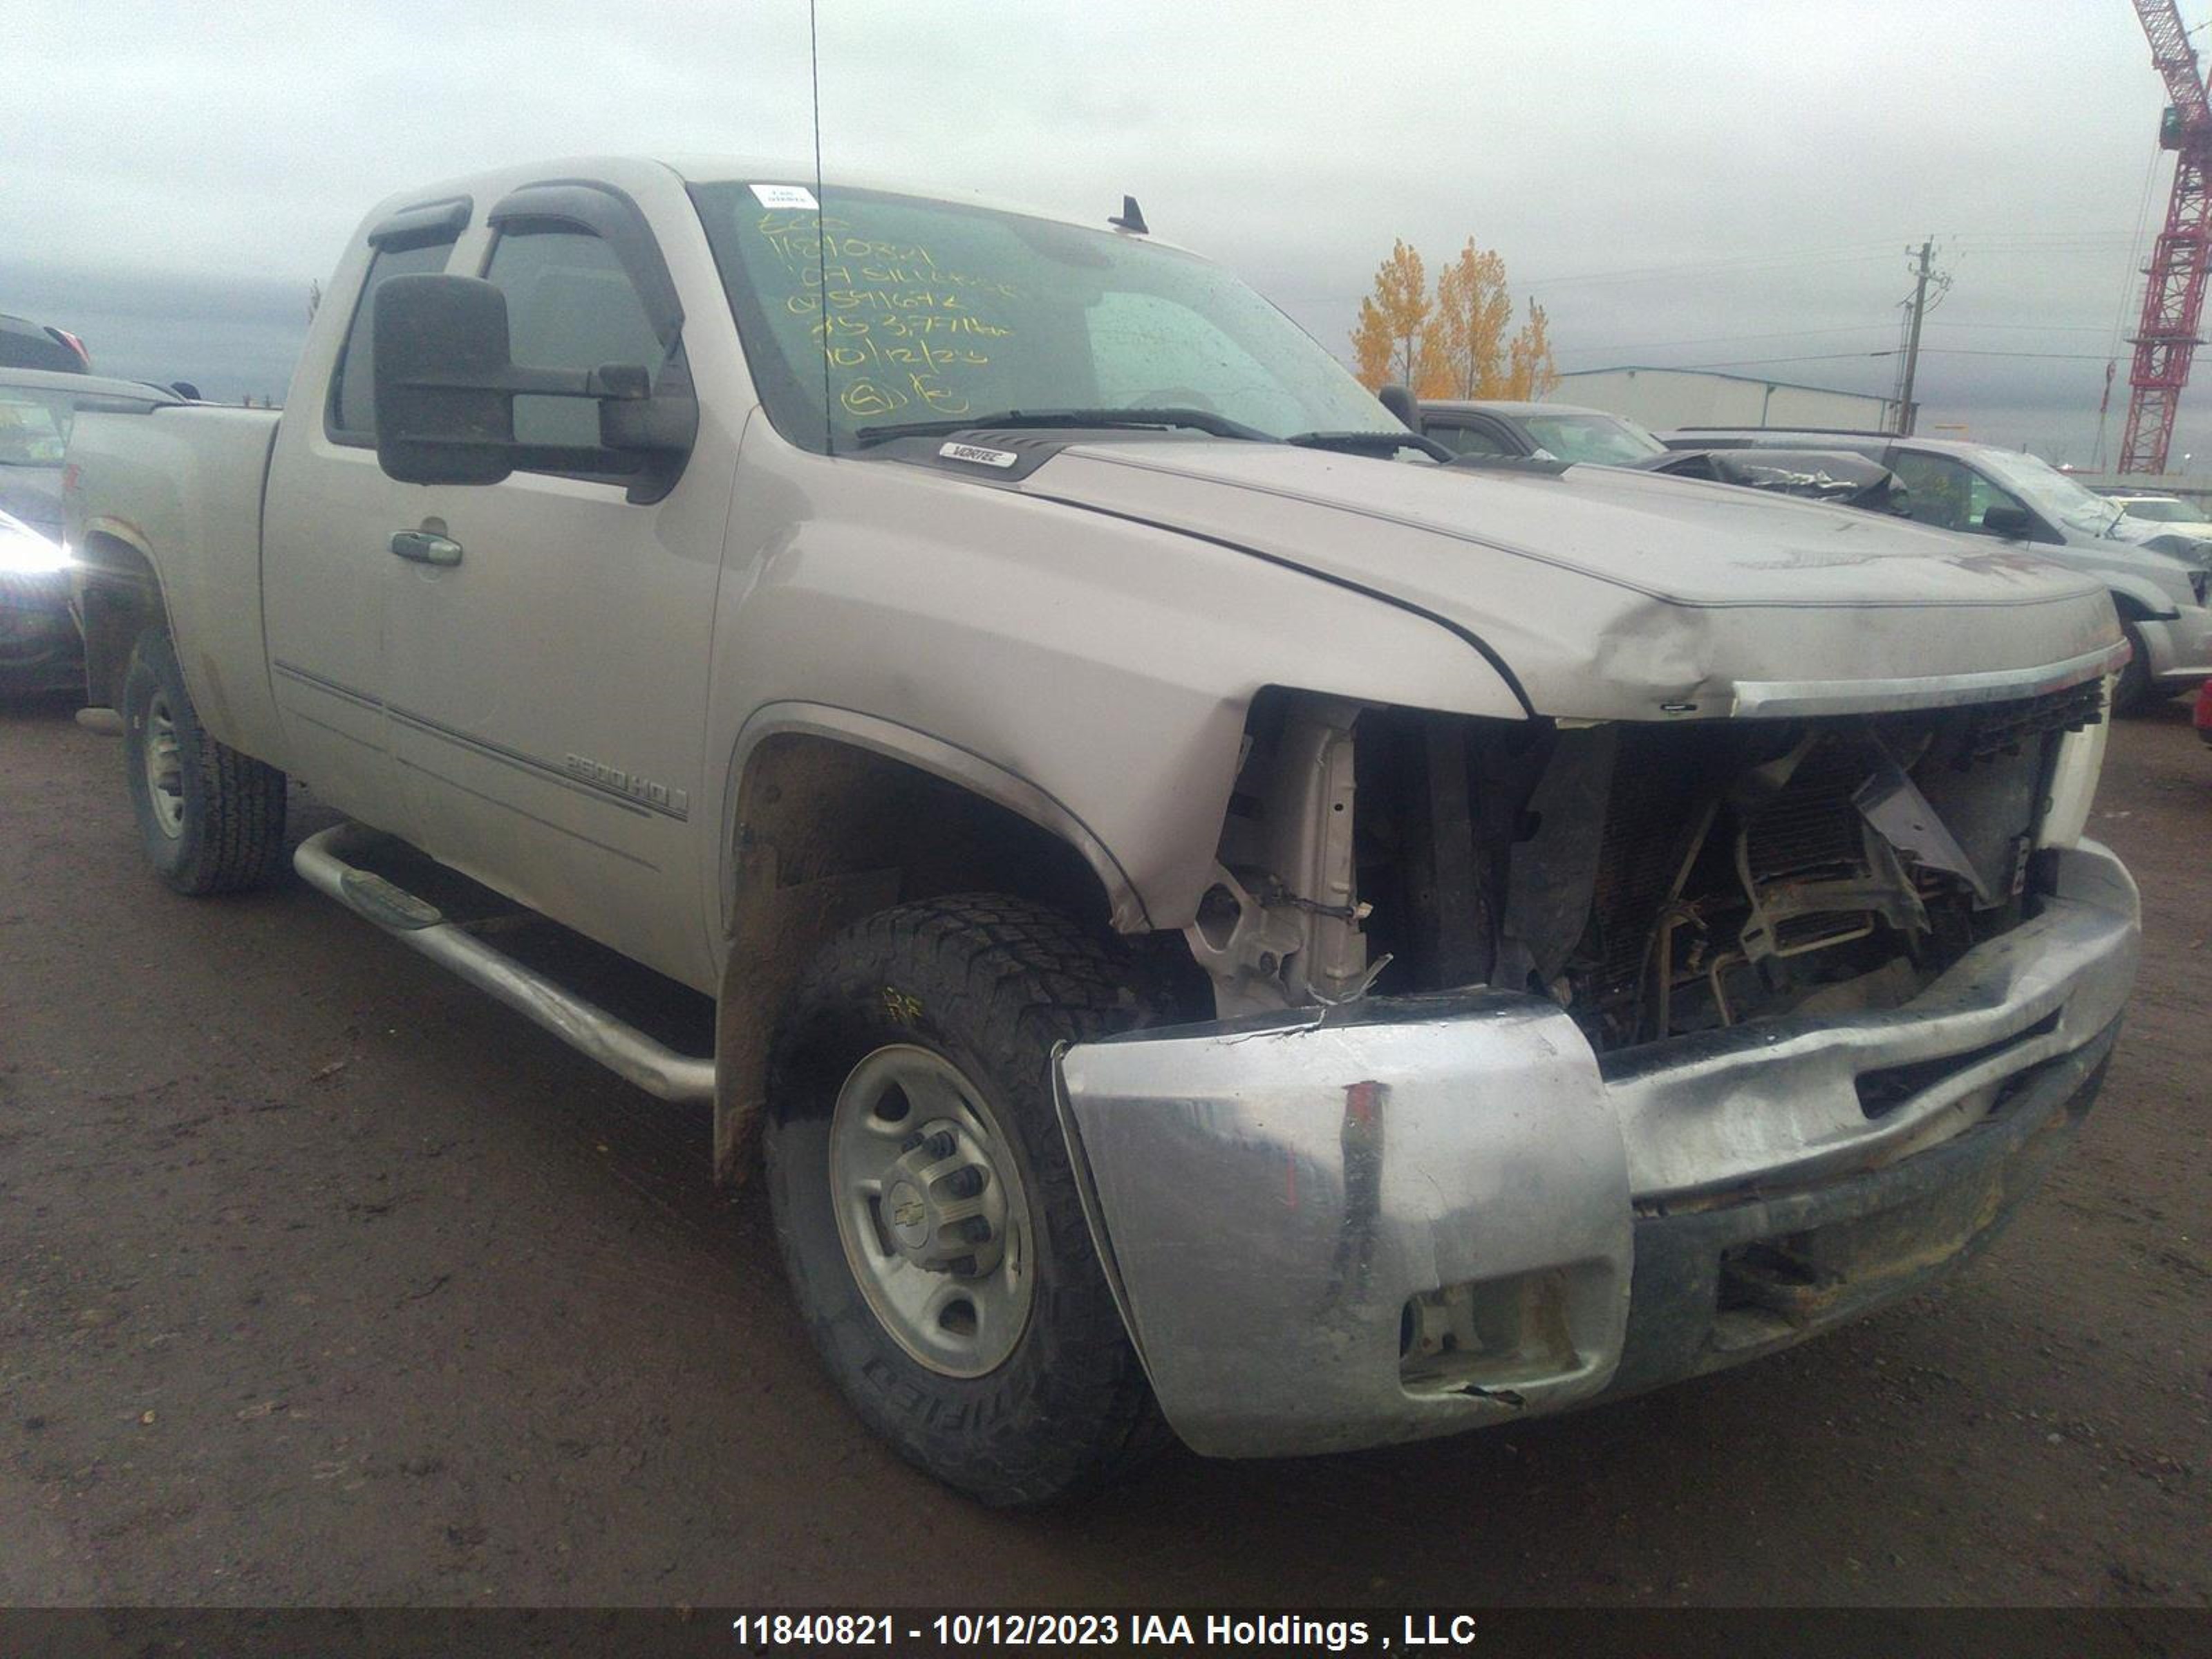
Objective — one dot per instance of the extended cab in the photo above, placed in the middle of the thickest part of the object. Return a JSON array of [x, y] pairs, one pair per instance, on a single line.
[[1217, 919]]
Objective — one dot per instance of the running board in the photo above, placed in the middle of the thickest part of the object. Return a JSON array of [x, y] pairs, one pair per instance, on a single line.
[[615, 1043]]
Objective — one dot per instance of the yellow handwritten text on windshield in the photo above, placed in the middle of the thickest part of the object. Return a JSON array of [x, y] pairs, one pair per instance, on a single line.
[[899, 330]]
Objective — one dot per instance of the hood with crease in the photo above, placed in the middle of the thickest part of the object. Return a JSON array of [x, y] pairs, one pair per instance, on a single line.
[[1611, 593]]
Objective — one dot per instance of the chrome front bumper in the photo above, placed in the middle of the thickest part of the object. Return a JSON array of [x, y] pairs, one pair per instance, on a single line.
[[1293, 1212]]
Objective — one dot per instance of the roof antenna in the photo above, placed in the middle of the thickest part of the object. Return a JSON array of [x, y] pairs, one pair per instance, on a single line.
[[1131, 218]]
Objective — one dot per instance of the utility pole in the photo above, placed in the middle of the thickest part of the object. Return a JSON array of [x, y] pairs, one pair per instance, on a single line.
[[1912, 343]]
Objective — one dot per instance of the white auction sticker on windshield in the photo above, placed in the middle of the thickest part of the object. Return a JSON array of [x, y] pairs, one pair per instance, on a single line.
[[786, 196]]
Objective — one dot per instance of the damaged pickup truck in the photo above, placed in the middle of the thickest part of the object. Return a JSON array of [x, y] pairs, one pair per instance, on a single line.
[[1219, 923]]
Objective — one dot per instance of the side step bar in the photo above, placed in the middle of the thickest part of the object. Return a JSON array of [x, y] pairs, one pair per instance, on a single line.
[[615, 1043]]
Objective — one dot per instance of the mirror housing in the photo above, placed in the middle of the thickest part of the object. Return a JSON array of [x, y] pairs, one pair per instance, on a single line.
[[443, 412], [445, 386], [2013, 523]]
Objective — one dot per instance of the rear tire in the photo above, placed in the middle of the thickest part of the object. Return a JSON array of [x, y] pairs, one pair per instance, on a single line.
[[915, 1060], [210, 818]]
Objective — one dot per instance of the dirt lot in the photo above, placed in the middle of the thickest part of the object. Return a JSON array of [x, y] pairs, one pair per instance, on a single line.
[[324, 1279]]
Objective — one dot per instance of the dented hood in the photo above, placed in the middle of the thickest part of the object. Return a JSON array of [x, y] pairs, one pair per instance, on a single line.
[[1607, 594]]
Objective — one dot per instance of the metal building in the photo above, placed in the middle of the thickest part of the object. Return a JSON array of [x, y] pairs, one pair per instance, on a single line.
[[1666, 397]]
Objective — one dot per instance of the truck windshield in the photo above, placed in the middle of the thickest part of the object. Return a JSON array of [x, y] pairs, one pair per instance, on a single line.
[[1592, 437], [2160, 509], [2044, 486], [927, 310]]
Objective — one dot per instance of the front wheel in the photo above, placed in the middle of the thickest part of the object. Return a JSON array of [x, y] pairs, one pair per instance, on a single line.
[[211, 819], [924, 1203]]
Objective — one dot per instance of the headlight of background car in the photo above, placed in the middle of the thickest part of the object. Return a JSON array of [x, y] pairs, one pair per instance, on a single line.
[[2073, 780]]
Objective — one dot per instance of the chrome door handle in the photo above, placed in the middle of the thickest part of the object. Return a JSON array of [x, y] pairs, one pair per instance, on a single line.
[[424, 548]]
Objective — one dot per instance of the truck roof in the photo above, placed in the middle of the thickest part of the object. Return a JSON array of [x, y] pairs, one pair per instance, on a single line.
[[697, 169]]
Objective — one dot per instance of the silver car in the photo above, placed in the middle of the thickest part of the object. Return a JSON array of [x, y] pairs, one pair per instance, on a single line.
[[2157, 576]]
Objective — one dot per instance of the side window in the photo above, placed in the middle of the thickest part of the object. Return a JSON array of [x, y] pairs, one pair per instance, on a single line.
[[1981, 496], [1467, 439], [353, 385], [1938, 488], [569, 305], [1945, 493]]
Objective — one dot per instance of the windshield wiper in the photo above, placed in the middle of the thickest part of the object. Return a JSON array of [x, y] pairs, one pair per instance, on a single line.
[[1197, 420], [1364, 442]]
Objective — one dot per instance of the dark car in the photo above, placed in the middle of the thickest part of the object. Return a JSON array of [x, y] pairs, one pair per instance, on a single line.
[[40, 647], [27, 344], [1826, 474], [2204, 713], [1559, 431], [1485, 429]]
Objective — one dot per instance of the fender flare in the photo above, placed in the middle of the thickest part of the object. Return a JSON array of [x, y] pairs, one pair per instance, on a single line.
[[147, 582], [952, 762], [2139, 600]]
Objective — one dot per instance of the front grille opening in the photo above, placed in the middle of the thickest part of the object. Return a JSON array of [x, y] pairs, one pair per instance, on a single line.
[[1883, 1090], [1662, 881]]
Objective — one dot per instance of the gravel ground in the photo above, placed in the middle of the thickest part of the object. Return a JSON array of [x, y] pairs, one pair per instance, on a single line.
[[323, 1279]]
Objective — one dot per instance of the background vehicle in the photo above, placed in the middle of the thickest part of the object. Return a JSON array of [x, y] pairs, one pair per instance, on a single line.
[[1209, 925], [1826, 474], [39, 649], [2168, 513], [1566, 433], [27, 344], [1561, 431], [36, 409], [2159, 580], [2203, 713]]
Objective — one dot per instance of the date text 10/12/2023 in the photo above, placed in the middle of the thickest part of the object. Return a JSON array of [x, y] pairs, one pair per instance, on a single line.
[[1279, 1632]]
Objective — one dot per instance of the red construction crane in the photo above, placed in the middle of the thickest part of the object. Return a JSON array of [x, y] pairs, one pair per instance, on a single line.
[[2175, 295]]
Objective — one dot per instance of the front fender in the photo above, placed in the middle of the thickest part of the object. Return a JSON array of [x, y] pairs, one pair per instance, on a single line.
[[1106, 665]]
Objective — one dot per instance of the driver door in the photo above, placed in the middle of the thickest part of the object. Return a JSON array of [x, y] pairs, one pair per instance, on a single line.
[[547, 672]]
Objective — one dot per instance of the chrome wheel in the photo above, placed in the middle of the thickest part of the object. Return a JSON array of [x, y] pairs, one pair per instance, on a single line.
[[931, 1210], [165, 772]]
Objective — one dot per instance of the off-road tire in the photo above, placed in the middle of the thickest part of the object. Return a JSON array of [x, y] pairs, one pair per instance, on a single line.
[[991, 983], [230, 838]]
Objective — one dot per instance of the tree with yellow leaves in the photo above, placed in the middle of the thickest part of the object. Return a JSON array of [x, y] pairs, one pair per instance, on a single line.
[[1391, 341], [1452, 345], [1533, 372], [1473, 308]]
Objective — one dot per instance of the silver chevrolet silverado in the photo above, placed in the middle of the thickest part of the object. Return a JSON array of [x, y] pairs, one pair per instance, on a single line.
[[1216, 922]]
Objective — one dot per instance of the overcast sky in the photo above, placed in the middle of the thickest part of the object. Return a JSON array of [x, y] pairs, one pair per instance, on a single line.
[[1702, 185]]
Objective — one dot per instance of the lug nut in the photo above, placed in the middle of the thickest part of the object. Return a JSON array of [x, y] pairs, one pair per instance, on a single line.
[[912, 1141], [975, 1229], [942, 1145], [965, 1183]]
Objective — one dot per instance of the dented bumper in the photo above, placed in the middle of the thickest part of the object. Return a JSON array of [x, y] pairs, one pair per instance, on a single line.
[[1422, 1215]]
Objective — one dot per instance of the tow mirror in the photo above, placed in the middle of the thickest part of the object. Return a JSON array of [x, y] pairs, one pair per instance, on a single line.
[[1400, 402], [445, 386], [444, 412]]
